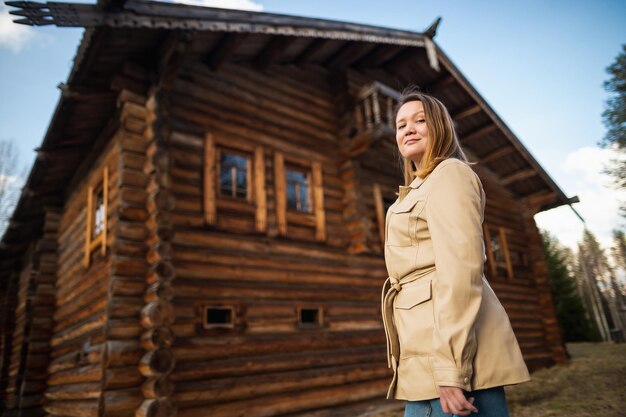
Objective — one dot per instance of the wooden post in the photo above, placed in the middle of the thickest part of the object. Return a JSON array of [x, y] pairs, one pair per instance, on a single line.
[[281, 193], [318, 191], [210, 175], [259, 189], [380, 214]]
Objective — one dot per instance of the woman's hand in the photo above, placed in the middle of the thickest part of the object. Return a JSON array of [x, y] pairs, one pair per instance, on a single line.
[[453, 401]]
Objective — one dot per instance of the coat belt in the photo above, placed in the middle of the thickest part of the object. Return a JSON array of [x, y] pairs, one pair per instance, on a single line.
[[393, 342]]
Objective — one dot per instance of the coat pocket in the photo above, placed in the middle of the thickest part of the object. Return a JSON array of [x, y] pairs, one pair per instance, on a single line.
[[401, 223], [413, 316]]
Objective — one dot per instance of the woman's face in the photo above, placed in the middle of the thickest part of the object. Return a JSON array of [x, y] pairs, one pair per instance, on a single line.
[[412, 131]]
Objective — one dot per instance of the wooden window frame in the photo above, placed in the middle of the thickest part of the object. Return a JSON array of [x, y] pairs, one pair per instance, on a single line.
[[504, 247], [379, 206], [317, 217], [256, 199], [211, 326], [94, 242]]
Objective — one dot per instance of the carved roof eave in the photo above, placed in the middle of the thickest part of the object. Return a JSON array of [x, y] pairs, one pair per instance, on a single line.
[[159, 15]]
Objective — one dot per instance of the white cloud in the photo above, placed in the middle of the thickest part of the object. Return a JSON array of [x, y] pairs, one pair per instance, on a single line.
[[582, 171], [13, 36], [225, 4]]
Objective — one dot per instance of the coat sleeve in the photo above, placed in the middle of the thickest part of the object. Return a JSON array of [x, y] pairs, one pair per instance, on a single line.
[[455, 210]]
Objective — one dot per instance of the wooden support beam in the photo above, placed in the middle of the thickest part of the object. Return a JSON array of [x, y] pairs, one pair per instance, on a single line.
[[539, 199], [466, 112], [498, 153], [272, 51], [172, 57], [439, 84], [350, 53], [226, 48], [477, 133], [519, 175], [313, 48], [378, 56]]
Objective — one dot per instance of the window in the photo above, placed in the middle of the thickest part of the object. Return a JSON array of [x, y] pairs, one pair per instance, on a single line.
[[498, 251], [96, 218], [218, 317], [298, 189], [235, 173], [299, 196], [234, 181], [310, 316], [519, 258], [382, 204]]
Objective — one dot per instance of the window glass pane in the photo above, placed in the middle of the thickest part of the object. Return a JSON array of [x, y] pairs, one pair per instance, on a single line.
[[98, 215], [233, 175], [297, 190], [496, 248]]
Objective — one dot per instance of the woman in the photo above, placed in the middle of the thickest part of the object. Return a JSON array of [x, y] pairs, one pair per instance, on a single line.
[[449, 341]]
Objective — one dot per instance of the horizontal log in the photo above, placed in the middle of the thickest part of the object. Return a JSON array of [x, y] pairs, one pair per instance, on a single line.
[[292, 401], [127, 286], [202, 348], [280, 272], [124, 377], [80, 391], [187, 371], [83, 408], [243, 388], [306, 252], [122, 353], [116, 402], [125, 307], [125, 328], [83, 374]]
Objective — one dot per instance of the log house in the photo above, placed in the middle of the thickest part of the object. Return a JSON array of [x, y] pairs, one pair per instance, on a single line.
[[201, 233]]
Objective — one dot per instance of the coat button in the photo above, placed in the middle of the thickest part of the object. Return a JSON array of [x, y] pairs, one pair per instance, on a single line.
[[465, 380]]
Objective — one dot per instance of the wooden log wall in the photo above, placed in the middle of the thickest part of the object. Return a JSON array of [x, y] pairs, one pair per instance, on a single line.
[[157, 314], [23, 318], [123, 353], [78, 340], [265, 361], [33, 314], [539, 267], [10, 280]]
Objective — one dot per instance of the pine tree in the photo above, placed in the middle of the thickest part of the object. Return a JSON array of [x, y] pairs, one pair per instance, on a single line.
[[570, 310], [615, 120]]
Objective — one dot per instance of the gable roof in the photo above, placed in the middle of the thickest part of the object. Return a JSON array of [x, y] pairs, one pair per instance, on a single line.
[[118, 31]]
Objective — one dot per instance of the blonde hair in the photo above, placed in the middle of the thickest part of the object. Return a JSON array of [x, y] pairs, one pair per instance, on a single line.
[[443, 143]]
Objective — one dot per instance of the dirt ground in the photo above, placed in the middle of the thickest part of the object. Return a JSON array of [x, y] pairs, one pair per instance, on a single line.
[[591, 384]]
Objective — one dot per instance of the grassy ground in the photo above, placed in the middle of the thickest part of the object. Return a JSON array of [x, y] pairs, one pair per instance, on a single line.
[[592, 384]]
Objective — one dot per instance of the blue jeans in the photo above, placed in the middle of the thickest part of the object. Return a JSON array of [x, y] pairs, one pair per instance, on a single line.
[[491, 402]]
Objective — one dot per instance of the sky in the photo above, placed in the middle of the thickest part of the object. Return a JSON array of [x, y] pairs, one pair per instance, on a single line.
[[539, 64]]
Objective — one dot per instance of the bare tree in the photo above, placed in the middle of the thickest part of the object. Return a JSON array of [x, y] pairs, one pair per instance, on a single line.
[[11, 181]]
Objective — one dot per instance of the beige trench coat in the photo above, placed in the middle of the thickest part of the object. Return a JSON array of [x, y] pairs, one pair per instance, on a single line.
[[444, 324]]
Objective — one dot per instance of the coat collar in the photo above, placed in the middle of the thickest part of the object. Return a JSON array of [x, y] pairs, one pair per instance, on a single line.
[[404, 189], [418, 181]]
